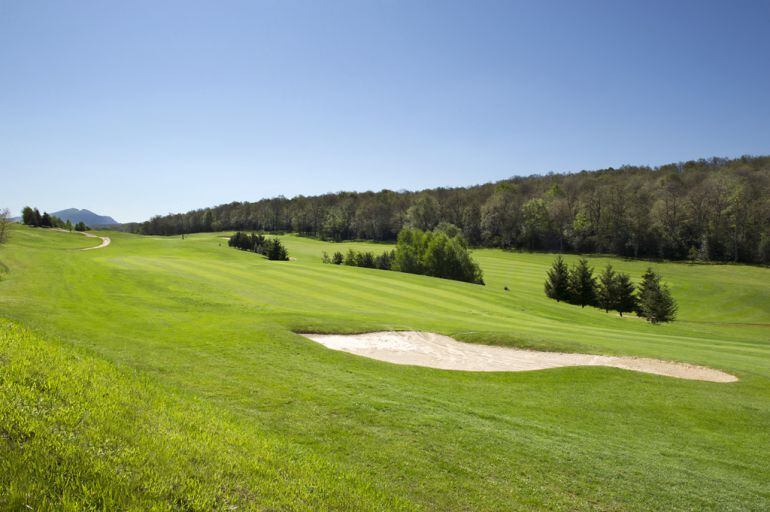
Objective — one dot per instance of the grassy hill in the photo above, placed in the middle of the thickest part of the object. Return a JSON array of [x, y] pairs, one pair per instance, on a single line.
[[161, 372]]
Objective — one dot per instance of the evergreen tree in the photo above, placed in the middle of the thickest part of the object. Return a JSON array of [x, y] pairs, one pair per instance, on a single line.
[[45, 221], [655, 301], [557, 281], [626, 300], [276, 251], [350, 258], [582, 284], [607, 293], [385, 260], [68, 225], [338, 258], [365, 259], [28, 216]]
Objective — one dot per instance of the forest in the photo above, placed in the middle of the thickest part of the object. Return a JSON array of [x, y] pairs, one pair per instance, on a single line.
[[703, 210]]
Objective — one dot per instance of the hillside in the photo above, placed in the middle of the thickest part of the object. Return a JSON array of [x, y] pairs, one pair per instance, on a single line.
[[88, 217], [708, 210], [167, 373]]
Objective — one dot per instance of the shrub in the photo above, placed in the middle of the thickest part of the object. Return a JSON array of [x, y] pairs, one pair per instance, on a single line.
[[557, 281], [582, 285], [272, 248], [655, 301], [436, 254]]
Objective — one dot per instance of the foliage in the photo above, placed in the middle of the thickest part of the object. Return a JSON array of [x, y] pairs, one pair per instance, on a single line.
[[655, 301], [32, 217], [366, 259], [4, 222], [557, 281], [614, 291], [434, 253], [719, 207], [625, 301], [607, 291], [582, 284], [258, 243]]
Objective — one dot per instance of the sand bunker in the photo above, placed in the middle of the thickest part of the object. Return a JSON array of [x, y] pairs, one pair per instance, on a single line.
[[437, 351]]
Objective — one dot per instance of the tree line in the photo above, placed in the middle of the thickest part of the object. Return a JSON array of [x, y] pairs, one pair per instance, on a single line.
[[365, 259], [272, 248], [707, 210], [442, 252], [614, 291], [32, 217]]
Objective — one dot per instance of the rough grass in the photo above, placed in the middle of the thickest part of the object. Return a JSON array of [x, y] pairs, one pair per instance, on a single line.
[[194, 392]]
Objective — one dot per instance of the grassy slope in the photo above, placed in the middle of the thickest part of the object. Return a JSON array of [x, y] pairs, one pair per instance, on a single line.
[[205, 331]]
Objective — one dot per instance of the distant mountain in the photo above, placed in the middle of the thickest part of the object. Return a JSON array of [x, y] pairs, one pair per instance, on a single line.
[[88, 217]]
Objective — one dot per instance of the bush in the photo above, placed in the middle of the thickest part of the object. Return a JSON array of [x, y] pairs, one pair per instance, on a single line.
[[432, 253], [557, 281], [435, 253], [362, 259], [655, 301], [272, 248], [582, 285]]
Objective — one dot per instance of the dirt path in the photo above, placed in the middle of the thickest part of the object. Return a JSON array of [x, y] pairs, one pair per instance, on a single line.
[[437, 351], [105, 242], [105, 239]]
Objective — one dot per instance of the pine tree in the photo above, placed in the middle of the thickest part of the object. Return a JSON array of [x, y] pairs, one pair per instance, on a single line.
[[338, 258], [557, 281], [655, 301], [276, 251], [28, 216], [626, 300], [582, 284], [607, 296]]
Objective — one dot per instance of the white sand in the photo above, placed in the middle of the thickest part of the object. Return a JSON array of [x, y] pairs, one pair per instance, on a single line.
[[437, 351]]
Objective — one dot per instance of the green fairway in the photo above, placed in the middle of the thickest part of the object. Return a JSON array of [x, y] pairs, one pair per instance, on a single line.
[[162, 372]]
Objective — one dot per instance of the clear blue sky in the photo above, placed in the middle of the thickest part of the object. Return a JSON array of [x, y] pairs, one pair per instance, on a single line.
[[139, 108]]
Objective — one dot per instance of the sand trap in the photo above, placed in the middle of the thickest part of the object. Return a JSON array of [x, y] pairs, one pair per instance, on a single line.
[[437, 351], [105, 241]]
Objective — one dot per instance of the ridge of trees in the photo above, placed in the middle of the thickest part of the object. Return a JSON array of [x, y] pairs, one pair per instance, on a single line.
[[442, 252], [272, 248], [706, 210], [32, 217], [365, 259], [613, 291]]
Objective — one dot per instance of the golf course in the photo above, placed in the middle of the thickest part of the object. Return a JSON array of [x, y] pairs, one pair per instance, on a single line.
[[171, 373]]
